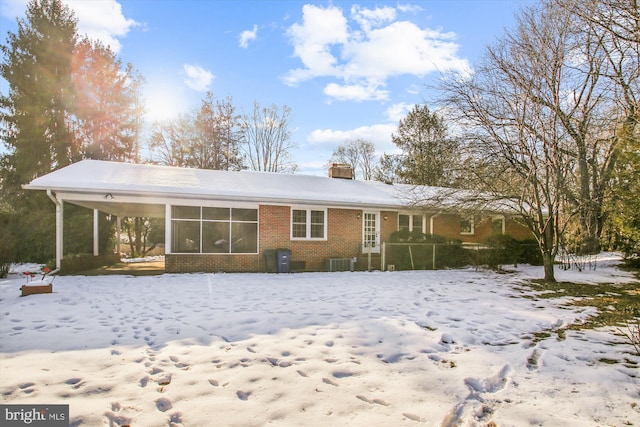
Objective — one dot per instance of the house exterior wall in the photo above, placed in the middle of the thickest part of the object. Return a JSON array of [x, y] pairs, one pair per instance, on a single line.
[[343, 240], [448, 225], [517, 230], [344, 237]]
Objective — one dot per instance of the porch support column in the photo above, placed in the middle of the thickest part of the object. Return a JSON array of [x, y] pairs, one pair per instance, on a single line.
[[167, 229], [118, 230], [96, 243], [59, 228]]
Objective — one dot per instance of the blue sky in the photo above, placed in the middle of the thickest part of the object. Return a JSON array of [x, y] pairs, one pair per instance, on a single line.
[[347, 69]]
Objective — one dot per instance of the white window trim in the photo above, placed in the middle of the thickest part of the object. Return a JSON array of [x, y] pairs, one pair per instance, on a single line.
[[473, 226], [308, 223]]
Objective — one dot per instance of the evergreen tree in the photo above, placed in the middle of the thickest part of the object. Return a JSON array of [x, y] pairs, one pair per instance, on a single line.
[[107, 103], [67, 100], [37, 65], [624, 207], [428, 153]]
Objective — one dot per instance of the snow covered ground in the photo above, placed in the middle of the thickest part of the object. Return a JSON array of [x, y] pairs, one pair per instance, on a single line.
[[435, 348]]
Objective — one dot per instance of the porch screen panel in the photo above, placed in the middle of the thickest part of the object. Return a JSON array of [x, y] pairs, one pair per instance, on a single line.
[[186, 236], [244, 238], [214, 230], [215, 237]]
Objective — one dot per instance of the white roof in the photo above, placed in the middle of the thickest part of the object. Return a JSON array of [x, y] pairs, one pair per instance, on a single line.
[[101, 178]]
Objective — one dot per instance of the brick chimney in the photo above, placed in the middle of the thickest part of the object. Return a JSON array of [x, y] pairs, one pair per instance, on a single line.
[[339, 170]]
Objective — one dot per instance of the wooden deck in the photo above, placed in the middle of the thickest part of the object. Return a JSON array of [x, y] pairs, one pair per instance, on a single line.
[[149, 268]]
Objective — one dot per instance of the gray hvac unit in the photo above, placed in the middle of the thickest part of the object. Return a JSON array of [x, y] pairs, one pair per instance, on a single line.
[[340, 264]]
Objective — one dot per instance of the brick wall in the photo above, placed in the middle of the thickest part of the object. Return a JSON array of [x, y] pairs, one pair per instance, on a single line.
[[344, 237], [448, 225], [210, 263], [344, 240]]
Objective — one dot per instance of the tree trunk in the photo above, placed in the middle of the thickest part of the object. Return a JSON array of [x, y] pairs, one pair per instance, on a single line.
[[549, 273]]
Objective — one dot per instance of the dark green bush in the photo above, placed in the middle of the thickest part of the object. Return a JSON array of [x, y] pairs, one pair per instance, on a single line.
[[506, 250], [83, 262], [417, 251]]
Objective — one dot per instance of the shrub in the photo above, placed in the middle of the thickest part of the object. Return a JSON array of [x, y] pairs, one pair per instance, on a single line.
[[504, 249], [416, 252], [82, 262]]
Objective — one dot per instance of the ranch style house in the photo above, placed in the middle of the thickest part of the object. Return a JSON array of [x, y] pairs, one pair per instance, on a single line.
[[228, 220]]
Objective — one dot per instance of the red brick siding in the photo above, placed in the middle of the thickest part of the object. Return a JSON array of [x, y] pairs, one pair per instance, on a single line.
[[344, 240], [388, 225], [448, 225], [191, 263], [517, 230], [344, 237]]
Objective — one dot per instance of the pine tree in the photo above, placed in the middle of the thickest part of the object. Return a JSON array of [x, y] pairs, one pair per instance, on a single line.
[[107, 106], [37, 66], [428, 153]]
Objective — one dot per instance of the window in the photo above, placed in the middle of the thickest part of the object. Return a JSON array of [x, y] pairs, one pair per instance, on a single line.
[[308, 224], [404, 222], [497, 225], [411, 223], [466, 226], [214, 230]]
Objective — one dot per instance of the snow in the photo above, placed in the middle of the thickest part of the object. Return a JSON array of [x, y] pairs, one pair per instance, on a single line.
[[435, 348]]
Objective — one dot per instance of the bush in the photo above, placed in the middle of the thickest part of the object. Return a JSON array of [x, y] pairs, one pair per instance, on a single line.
[[503, 249], [82, 262], [8, 246], [417, 251]]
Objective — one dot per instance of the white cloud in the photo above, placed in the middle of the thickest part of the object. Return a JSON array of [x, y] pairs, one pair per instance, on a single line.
[[320, 30], [397, 112], [355, 92], [368, 18], [197, 78], [99, 20], [362, 52], [379, 135], [102, 21], [248, 35]]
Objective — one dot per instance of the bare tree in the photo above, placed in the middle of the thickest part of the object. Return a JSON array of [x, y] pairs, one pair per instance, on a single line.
[[547, 101], [169, 142], [502, 120], [358, 154], [266, 139], [216, 143]]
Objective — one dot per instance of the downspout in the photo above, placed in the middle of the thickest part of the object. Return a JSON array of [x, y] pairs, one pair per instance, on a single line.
[[431, 222], [59, 230]]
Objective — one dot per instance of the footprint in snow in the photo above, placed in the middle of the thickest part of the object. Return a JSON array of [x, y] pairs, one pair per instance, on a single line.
[[330, 382], [163, 404], [491, 384], [243, 395]]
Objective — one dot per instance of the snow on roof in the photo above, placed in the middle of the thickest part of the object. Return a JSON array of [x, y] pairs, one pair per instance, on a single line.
[[98, 177], [95, 176]]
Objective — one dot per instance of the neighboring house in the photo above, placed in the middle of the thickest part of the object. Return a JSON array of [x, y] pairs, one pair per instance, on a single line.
[[227, 220]]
